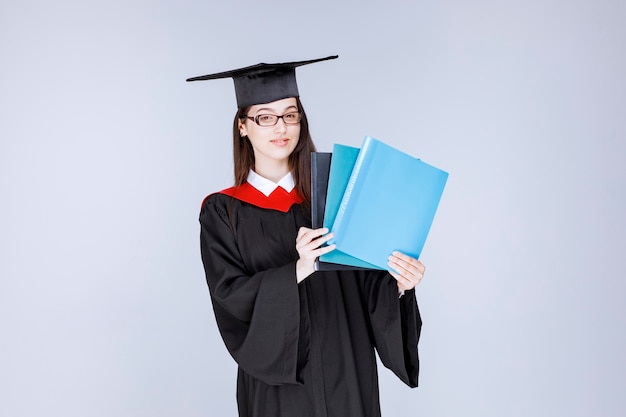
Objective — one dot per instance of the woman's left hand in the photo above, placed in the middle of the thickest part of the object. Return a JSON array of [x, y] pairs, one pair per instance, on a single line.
[[407, 271]]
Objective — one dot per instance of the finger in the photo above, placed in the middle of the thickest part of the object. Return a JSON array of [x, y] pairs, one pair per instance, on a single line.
[[316, 243], [316, 253], [396, 270], [313, 236], [399, 266], [310, 234], [303, 237], [397, 276], [409, 272], [407, 262], [318, 232], [403, 283], [324, 250], [406, 259], [301, 233]]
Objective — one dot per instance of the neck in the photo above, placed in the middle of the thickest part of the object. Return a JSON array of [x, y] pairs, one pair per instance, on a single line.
[[272, 171]]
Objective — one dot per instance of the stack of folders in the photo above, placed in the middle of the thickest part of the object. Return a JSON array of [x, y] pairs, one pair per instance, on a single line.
[[375, 200]]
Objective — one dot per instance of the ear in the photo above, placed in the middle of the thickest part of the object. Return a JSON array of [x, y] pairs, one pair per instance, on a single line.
[[243, 130]]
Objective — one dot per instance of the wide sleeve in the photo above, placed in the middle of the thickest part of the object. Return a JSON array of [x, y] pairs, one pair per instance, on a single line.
[[258, 314], [396, 325]]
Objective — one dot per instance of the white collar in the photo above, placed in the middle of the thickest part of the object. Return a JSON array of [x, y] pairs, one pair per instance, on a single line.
[[268, 186]]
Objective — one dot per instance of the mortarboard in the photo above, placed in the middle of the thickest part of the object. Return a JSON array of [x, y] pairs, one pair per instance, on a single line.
[[263, 83]]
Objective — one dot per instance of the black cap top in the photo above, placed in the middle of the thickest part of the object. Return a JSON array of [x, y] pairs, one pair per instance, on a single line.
[[263, 83]]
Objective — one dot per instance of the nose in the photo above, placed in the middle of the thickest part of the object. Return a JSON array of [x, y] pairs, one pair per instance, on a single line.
[[280, 125]]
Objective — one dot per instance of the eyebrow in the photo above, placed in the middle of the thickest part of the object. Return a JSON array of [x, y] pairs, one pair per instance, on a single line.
[[288, 108]]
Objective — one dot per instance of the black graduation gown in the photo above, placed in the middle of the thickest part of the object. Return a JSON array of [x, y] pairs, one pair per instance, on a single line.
[[303, 349]]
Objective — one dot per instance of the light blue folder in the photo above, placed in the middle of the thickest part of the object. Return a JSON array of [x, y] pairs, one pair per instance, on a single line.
[[341, 164], [389, 204]]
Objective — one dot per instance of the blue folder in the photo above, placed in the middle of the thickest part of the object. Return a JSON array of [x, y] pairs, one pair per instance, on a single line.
[[389, 204], [343, 159]]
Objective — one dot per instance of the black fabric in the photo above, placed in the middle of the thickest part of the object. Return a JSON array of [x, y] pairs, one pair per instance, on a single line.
[[305, 349]]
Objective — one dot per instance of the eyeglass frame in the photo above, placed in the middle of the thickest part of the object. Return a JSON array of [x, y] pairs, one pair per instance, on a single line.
[[255, 119]]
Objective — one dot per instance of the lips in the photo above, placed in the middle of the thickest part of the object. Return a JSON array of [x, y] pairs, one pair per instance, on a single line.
[[280, 142]]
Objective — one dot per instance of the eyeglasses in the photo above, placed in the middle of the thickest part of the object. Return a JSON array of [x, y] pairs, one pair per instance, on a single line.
[[271, 119]]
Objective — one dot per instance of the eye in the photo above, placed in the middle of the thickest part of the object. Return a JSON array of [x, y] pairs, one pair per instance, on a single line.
[[292, 118], [264, 118]]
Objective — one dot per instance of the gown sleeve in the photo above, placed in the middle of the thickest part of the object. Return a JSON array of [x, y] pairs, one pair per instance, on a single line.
[[258, 314], [396, 325]]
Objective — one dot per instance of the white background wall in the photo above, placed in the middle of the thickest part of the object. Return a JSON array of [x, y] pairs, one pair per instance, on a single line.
[[106, 154]]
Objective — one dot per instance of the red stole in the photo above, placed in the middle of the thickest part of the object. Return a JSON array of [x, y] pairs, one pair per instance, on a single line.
[[279, 199]]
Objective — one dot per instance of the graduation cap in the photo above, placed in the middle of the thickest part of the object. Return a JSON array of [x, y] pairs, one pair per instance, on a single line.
[[263, 83]]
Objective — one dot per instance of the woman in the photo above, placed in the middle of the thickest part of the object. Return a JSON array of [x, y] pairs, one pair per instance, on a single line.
[[304, 340]]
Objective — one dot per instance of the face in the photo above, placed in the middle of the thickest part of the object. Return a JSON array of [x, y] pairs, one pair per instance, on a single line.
[[272, 144]]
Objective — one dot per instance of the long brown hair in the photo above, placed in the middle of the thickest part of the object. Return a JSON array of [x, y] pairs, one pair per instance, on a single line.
[[299, 160]]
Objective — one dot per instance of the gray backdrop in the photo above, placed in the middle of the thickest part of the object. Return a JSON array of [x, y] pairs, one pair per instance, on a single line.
[[106, 154]]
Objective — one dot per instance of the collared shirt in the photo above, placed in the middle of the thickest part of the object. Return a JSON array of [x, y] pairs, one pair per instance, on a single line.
[[268, 186]]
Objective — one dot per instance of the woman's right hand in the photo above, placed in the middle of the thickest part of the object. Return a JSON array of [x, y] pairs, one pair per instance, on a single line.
[[308, 242]]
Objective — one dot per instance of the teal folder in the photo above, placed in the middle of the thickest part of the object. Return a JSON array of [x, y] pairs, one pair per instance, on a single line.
[[389, 204], [341, 163]]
